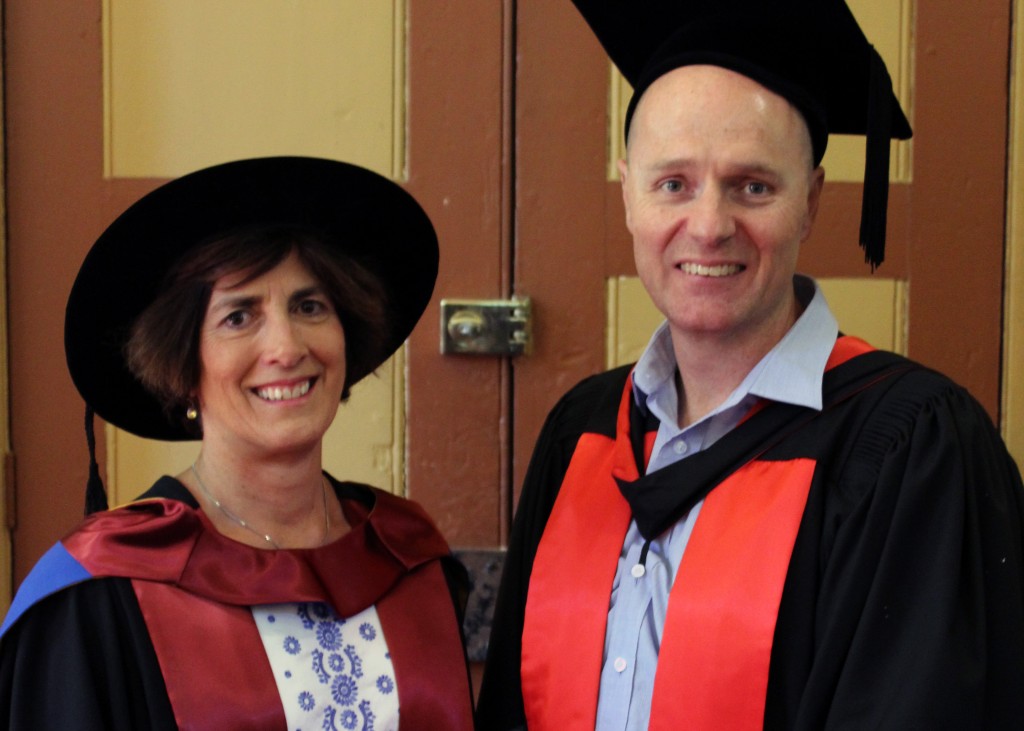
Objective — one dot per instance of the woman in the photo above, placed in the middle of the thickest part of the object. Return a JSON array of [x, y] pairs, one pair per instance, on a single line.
[[238, 305]]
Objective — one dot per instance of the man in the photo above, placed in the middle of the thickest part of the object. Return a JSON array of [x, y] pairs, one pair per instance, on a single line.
[[764, 523]]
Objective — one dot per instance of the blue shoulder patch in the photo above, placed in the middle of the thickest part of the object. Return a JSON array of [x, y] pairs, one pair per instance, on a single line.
[[56, 570]]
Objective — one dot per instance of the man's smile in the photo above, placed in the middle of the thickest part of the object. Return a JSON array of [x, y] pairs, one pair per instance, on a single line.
[[718, 270]]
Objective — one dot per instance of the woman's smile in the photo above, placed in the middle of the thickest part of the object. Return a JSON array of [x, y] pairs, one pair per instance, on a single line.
[[285, 392]]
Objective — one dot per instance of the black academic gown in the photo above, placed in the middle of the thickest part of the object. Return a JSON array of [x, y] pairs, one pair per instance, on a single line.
[[83, 657], [903, 604]]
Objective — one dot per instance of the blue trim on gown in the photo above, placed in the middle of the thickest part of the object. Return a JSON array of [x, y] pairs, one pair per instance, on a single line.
[[56, 570]]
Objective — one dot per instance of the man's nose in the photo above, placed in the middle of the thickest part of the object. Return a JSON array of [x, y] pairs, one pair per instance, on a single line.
[[710, 218]]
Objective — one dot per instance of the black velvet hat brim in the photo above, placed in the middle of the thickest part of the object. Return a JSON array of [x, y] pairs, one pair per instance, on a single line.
[[370, 218]]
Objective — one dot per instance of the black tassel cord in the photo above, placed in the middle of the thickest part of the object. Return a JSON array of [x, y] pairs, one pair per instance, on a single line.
[[95, 494]]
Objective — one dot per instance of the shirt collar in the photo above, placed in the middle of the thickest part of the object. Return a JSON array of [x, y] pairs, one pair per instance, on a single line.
[[791, 372]]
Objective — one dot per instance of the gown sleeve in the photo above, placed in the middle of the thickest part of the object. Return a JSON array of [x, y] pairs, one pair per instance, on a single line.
[[919, 606], [500, 707], [82, 659]]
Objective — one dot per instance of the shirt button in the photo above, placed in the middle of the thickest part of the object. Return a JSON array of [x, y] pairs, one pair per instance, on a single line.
[[680, 447], [620, 664], [638, 570]]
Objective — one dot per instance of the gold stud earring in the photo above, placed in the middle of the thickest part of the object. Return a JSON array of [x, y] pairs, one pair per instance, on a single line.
[[191, 413]]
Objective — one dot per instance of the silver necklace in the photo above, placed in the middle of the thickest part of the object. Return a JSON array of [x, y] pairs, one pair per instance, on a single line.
[[261, 534]]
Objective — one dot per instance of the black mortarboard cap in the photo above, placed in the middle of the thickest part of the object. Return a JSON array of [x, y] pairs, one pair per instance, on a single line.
[[811, 52]]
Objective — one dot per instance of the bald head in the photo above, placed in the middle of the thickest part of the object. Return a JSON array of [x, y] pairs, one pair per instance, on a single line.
[[689, 91]]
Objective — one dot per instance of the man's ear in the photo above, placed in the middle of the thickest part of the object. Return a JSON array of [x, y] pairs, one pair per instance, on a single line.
[[817, 183], [623, 173]]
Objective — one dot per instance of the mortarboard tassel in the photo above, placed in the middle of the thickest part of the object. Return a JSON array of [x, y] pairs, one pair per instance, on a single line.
[[876, 162], [95, 494]]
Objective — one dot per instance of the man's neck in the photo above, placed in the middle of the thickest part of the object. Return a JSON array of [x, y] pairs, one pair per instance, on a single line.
[[711, 366]]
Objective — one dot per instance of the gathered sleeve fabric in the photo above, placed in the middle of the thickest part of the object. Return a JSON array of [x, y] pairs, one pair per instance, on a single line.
[[904, 603]]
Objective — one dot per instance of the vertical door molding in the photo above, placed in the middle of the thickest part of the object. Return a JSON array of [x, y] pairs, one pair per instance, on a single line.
[[7, 487], [458, 155], [562, 224], [1012, 421]]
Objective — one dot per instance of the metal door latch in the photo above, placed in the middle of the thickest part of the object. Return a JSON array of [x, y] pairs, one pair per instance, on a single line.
[[485, 327]]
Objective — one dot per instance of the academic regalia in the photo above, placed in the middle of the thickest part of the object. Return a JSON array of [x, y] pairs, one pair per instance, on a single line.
[[146, 617], [140, 618], [902, 596]]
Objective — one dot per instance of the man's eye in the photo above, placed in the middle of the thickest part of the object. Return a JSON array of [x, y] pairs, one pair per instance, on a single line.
[[672, 186], [755, 188]]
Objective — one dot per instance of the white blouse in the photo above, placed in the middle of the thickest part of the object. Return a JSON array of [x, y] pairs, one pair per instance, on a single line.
[[331, 673]]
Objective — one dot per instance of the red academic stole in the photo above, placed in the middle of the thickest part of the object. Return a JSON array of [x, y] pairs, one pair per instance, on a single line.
[[195, 587], [228, 683], [713, 663]]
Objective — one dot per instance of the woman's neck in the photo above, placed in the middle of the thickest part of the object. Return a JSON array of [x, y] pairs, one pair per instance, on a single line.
[[268, 503]]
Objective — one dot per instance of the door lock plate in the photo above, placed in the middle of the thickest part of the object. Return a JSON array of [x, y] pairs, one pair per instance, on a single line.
[[486, 327]]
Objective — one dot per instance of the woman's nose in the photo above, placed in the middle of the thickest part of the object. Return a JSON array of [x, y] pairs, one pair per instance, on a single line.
[[283, 342]]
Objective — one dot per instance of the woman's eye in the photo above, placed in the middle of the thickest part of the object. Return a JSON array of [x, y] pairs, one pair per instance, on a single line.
[[236, 318], [312, 307]]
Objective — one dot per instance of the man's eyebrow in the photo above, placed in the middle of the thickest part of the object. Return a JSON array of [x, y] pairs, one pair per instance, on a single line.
[[673, 163], [733, 170], [756, 168]]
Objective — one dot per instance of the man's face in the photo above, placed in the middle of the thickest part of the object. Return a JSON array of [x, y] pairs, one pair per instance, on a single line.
[[720, 193]]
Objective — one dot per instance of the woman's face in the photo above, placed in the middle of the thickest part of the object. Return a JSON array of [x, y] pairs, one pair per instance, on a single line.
[[272, 362]]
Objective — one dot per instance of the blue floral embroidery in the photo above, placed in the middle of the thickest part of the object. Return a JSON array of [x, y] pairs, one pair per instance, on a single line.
[[303, 612], [318, 667], [345, 662], [368, 716], [344, 690], [328, 634], [355, 660]]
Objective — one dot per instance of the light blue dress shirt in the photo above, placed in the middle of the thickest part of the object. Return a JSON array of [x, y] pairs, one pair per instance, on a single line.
[[791, 372]]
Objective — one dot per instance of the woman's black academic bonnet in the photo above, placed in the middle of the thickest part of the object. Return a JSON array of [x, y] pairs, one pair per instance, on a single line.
[[366, 216]]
